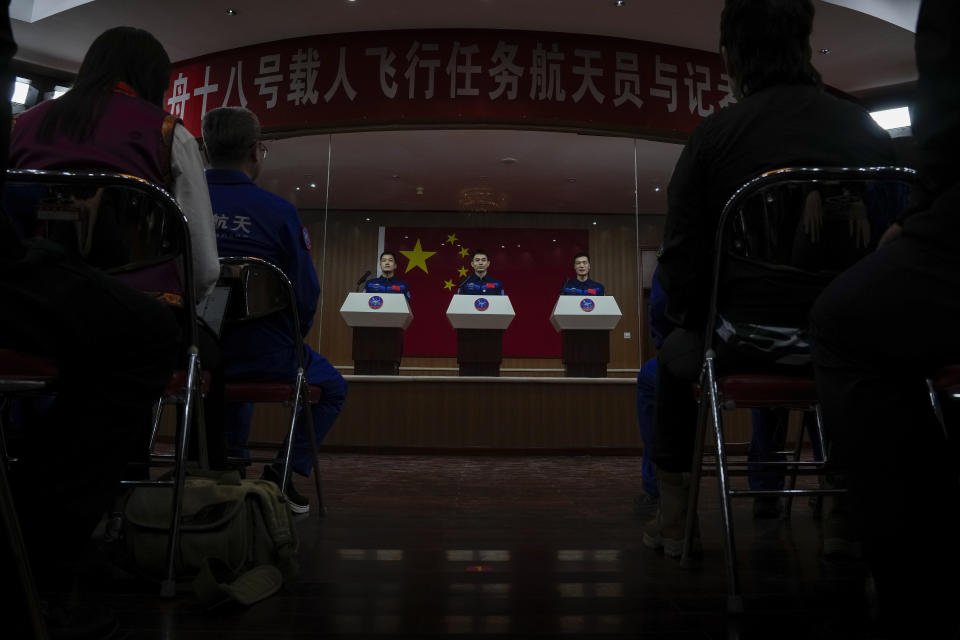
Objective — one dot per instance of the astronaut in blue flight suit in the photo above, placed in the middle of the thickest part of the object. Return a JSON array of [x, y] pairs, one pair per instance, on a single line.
[[253, 222], [480, 282], [582, 285], [387, 282]]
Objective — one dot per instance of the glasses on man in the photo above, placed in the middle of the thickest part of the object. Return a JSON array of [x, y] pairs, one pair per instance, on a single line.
[[263, 149]]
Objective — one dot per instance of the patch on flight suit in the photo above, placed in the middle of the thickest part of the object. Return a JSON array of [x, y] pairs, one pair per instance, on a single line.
[[305, 236]]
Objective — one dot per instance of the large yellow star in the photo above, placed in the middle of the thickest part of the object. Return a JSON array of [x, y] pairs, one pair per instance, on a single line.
[[452, 238], [464, 252], [417, 257], [448, 284], [462, 271]]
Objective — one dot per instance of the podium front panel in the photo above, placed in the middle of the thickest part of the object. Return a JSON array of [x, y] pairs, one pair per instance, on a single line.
[[376, 310], [599, 313], [480, 312]]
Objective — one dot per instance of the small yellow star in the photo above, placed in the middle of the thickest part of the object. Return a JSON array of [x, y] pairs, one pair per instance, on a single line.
[[417, 257], [452, 238], [462, 271], [448, 284], [464, 252]]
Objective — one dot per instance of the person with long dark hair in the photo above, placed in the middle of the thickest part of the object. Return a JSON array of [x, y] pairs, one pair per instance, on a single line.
[[112, 119]]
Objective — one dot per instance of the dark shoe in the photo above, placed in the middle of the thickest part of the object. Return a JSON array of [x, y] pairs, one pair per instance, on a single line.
[[766, 507], [645, 505], [297, 502]]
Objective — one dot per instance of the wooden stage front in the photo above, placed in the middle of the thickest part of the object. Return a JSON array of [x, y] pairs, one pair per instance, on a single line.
[[510, 413]]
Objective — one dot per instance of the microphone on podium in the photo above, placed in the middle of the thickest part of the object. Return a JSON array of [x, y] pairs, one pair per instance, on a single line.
[[461, 283], [363, 279]]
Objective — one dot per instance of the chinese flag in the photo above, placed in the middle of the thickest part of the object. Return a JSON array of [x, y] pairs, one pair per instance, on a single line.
[[532, 264]]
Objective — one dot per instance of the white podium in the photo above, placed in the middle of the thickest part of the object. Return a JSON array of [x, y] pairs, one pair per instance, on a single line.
[[584, 323], [480, 322], [378, 321]]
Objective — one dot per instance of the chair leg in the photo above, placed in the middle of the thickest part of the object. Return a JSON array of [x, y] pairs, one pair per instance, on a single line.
[[696, 472], [937, 411], [797, 452], [317, 478], [734, 598], [168, 588], [288, 443], [157, 416], [18, 551]]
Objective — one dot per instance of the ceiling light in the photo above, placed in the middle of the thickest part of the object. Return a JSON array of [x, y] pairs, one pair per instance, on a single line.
[[366, 219], [298, 188], [571, 180], [419, 191], [508, 160], [892, 118], [231, 12], [20, 90], [657, 189], [824, 51], [395, 176], [594, 223], [313, 185], [618, 3]]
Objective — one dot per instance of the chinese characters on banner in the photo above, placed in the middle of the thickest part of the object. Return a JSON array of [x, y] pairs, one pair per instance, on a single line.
[[508, 77], [532, 264]]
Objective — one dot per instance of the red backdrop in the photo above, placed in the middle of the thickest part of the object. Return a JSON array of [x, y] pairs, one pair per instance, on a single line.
[[532, 264]]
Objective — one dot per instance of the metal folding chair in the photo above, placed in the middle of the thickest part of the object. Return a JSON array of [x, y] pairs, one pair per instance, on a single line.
[[259, 289], [796, 227], [135, 231]]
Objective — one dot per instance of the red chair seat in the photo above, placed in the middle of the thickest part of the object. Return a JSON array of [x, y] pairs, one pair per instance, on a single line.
[[267, 392], [948, 379], [178, 383], [755, 390]]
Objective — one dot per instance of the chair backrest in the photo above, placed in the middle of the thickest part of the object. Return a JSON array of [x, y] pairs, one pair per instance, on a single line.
[[782, 237], [258, 289], [126, 226]]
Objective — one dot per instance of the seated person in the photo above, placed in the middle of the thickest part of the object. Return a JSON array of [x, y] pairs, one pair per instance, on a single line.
[[783, 118], [264, 225], [112, 120], [480, 282], [115, 350], [387, 282], [880, 329], [582, 285]]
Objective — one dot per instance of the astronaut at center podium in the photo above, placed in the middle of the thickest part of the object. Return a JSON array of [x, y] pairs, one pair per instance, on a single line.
[[480, 282], [582, 285]]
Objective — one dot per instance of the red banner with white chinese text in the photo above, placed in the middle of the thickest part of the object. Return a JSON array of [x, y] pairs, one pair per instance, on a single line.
[[463, 77], [532, 264]]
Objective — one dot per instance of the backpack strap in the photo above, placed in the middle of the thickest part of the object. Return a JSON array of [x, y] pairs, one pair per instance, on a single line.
[[216, 584]]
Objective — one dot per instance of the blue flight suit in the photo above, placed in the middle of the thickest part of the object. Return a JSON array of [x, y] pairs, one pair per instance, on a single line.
[[573, 287], [474, 286], [387, 285], [253, 222]]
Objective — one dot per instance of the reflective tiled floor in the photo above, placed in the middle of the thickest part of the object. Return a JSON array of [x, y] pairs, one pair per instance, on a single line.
[[421, 546]]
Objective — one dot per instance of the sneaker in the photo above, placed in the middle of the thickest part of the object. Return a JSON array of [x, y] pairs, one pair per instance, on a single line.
[[766, 507], [645, 505], [297, 502]]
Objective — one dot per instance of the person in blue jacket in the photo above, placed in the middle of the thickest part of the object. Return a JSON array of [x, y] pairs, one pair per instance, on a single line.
[[480, 282], [582, 285], [253, 222], [387, 282]]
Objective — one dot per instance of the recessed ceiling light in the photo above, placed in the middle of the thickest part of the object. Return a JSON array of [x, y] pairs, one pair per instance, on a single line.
[[298, 188], [365, 219], [395, 176], [619, 3], [657, 189], [419, 191], [508, 160], [824, 51], [231, 12], [313, 185], [594, 223]]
